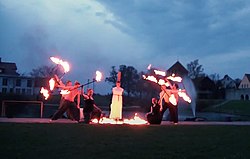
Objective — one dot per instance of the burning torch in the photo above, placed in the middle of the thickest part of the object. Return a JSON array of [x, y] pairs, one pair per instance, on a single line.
[[97, 78]]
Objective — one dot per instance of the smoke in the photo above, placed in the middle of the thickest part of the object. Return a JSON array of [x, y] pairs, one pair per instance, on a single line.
[[191, 92], [35, 47]]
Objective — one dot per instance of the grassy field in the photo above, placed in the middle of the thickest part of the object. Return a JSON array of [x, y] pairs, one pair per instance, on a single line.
[[237, 107], [73, 141]]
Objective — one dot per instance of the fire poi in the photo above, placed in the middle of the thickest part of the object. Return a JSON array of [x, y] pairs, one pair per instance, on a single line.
[[165, 80], [169, 95], [115, 115]]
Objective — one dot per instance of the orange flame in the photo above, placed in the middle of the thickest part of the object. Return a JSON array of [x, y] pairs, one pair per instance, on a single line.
[[64, 64], [45, 93], [175, 78], [135, 121], [52, 83], [184, 96], [98, 77], [180, 92], [158, 72], [172, 99], [64, 92]]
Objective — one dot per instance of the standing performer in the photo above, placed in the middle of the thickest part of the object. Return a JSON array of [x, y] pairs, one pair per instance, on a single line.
[[68, 102], [165, 95], [116, 105]]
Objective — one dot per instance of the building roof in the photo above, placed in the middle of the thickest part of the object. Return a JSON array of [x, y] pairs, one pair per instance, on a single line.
[[178, 69], [8, 68], [248, 77]]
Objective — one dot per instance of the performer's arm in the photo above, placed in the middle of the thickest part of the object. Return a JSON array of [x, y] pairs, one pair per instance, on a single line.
[[160, 100], [84, 95], [78, 99]]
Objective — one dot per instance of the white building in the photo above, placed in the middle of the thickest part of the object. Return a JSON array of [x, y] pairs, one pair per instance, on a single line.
[[12, 82]]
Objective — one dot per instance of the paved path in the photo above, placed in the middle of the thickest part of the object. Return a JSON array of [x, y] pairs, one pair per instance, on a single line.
[[166, 123]]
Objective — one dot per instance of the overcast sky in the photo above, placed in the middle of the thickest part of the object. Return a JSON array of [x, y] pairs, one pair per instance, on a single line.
[[95, 35]]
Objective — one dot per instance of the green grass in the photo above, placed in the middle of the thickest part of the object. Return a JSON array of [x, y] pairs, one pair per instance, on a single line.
[[73, 141], [237, 107]]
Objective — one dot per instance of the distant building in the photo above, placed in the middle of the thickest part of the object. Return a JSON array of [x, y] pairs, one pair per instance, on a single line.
[[178, 69], [243, 91], [228, 83], [12, 82], [245, 82]]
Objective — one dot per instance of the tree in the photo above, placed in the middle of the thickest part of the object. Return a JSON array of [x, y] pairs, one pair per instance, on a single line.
[[113, 76], [215, 77], [129, 78], [45, 71], [195, 69]]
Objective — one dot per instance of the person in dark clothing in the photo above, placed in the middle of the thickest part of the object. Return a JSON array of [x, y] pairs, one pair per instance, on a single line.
[[90, 110], [154, 116]]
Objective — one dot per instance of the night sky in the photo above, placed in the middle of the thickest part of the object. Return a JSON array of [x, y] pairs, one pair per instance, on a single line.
[[95, 35]]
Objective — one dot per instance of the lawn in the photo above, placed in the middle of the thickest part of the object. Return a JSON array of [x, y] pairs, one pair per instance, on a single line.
[[73, 141], [238, 107]]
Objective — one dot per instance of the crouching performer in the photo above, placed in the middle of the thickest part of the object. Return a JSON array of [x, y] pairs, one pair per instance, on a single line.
[[155, 115], [90, 110]]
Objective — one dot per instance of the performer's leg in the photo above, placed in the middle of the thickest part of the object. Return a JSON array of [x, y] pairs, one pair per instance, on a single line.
[[74, 112], [87, 116], [97, 112], [175, 111], [60, 111]]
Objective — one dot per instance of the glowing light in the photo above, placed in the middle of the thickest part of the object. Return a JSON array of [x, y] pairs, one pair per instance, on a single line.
[[98, 77], [158, 72], [174, 78], [64, 92], [172, 99], [45, 93], [150, 78], [52, 83], [64, 64], [149, 66], [135, 121], [184, 96]]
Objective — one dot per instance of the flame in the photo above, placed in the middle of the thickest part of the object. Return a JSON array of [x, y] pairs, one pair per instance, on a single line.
[[52, 83], [55, 60], [172, 99], [149, 66], [184, 96], [45, 93], [150, 78], [174, 78], [64, 92], [64, 64], [158, 72], [98, 76], [135, 121]]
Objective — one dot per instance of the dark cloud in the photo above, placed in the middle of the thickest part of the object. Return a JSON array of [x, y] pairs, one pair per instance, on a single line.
[[93, 35]]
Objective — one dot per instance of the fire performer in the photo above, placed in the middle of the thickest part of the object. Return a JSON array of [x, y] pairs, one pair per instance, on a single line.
[[68, 102], [167, 95], [116, 105], [154, 116], [90, 110]]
